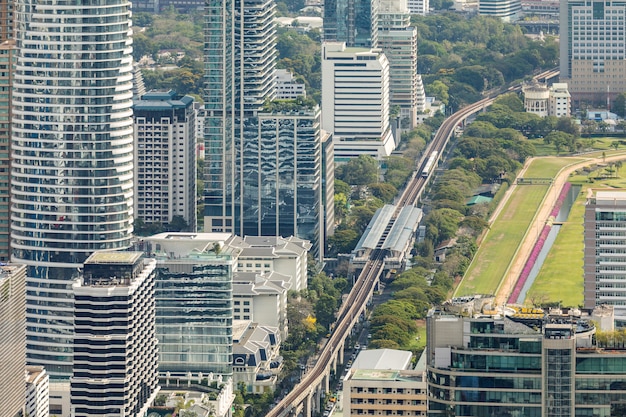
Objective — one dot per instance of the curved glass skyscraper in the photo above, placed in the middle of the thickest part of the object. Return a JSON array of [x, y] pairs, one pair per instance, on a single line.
[[72, 163]]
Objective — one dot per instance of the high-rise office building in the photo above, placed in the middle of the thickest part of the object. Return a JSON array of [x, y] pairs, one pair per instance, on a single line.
[[354, 22], [194, 303], [263, 164], [7, 65], [281, 179], [592, 49], [115, 344], [355, 101], [605, 252], [165, 158], [240, 56], [12, 339], [72, 167], [398, 40]]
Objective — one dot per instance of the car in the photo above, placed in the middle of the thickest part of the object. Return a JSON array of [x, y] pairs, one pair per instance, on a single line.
[[357, 346]]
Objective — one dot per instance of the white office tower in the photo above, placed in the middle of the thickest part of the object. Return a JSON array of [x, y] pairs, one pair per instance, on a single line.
[[355, 101], [420, 7], [37, 392], [398, 40], [72, 138], [115, 343]]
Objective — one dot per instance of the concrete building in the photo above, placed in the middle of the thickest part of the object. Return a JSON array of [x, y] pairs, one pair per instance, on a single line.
[[37, 392], [525, 362], [605, 252], [507, 10], [194, 303], [7, 66], [354, 22], [592, 49], [287, 88], [262, 298], [398, 40], [115, 344], [419, 7], [256, 356], [72, 160], [543, 100], [12, 338], [536, 98], [560, 101], [381, 383], [287, 256], [281, 176], [355, 101], [165, 158]]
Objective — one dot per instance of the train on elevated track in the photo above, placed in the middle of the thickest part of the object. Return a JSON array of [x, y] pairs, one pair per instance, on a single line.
[[430, 164]]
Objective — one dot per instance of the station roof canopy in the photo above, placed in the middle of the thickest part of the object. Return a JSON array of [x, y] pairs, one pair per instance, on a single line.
[[401, 232]]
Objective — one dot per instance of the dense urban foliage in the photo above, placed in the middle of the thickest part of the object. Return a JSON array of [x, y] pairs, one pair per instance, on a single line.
[[461, 58]]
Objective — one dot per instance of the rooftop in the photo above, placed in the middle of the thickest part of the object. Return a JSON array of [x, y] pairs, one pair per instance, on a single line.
[[117, 258]]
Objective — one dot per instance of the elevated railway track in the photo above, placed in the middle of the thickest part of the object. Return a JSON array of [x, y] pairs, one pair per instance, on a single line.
[[317, 378]]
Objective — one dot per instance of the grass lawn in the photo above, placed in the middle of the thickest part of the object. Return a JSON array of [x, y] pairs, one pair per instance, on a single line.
[[419, 342], [501, 242], [561, 276]]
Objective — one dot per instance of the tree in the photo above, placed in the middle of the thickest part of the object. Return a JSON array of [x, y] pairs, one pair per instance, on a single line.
[[343, 241], [439, 90], [325, 309], [619, 105], [178, 224], [342, 188], [559, 139], [568, 125], [386, 192], [359, 171]]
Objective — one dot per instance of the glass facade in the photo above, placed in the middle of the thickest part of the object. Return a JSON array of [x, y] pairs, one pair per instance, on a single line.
[[354, 22], [72, 156], [503, 367], [240, 58], [281, 177], [194, 315]]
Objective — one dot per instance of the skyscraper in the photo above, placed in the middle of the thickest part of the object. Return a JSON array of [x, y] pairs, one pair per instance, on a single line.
[[165, 158], [282, 176], [592, 49], [240, 56], [398, 40], [263, 164], [354, 22], [72, 163], [355, 101], [115, 343], [605, 278]]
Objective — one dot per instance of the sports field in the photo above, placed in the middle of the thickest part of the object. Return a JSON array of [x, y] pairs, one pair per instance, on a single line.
[[502, 241]]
